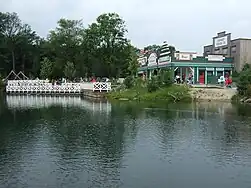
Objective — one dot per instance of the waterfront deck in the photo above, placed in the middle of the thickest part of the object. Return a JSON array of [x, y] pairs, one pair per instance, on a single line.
[[46, 88]]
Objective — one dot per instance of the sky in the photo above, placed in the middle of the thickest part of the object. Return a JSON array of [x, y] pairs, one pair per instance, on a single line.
[[186, 24]]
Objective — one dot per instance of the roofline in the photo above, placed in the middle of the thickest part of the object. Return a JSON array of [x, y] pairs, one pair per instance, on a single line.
[[208, 45], [241, 39], [186, 52]]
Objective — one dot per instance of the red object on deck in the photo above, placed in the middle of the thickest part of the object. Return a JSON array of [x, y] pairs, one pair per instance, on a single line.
[[228, 81], [202, 78]]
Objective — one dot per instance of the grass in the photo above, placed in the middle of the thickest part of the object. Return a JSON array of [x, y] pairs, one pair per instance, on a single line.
[[173, 93]]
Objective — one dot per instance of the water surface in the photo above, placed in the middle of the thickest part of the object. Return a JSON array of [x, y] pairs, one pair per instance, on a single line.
[[70, 142]]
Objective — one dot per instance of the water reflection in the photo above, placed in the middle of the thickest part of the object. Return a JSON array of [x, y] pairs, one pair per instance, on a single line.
[[38, 101], [66, 144]]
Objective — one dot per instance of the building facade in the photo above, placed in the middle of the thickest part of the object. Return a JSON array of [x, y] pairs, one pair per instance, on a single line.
[[204, 70], [239, 49]]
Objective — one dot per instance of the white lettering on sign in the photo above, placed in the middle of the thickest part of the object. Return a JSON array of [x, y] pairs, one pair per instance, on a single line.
[[215, 57], [152, 59], [142, 61], [185, 57], [164, 60], [222, 41]]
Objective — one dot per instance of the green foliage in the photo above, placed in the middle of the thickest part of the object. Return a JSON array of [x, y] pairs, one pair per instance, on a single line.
[[244, 82], [128, 82], [246, 67], [46, 68], [167, 78], [19, 45], [170, 94], [139, 82], [101, 48], [69, 70], [153, 84]]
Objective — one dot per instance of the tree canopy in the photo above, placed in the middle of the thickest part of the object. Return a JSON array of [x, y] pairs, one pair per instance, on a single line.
[[70, 50]]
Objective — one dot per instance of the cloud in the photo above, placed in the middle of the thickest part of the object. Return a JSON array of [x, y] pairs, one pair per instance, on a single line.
[[186, 24]]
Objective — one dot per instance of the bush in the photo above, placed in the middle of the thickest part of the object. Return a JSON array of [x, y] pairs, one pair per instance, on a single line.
[[139, 82], [153, 84], [244, 83], [128, 82], [167, 78]]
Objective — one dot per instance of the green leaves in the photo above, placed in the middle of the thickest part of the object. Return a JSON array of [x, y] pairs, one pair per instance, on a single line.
[[244, 82], [70, 50], [69, 70], [18, 43], [46, 69]]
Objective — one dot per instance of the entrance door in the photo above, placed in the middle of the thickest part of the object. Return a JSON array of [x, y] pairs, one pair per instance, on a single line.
[[202, 76]]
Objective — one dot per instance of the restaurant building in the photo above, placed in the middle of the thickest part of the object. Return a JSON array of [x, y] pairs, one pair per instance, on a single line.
[[205, 70]]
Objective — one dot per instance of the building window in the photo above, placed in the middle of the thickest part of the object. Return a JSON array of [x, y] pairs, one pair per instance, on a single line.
[[233, 49], [224, 51], [207, 52], [217, 51]]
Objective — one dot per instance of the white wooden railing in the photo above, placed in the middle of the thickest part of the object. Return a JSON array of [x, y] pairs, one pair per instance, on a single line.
[[43, 86], [40, 86], [96, 86]]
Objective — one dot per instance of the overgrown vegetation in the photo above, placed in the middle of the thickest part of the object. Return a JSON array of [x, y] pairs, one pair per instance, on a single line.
[[243, 84], [158, 88]]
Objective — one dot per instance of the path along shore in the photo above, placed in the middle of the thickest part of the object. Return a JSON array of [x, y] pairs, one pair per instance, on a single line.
[[213, 94]]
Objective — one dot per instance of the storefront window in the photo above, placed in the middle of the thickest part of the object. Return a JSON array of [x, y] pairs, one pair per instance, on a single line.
[[224, 51]]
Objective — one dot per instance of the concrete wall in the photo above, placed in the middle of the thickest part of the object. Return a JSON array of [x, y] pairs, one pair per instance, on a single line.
[[236, 54], [245, 52]]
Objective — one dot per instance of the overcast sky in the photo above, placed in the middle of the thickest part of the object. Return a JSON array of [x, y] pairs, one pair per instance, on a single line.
[[186, 24]]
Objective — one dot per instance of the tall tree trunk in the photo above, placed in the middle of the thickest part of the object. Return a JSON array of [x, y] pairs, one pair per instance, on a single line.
[[13, 61], [23, 63]]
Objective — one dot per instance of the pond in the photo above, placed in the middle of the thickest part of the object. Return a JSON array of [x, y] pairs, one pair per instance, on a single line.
[[65, 142]]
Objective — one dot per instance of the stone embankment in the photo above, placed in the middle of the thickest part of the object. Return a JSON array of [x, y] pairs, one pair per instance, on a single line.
[[212, 94]]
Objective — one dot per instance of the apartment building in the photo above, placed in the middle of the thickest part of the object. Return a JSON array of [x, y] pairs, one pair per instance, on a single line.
[[239, 49]]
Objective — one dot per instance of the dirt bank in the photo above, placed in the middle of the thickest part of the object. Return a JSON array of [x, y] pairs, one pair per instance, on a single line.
[[212, 94]]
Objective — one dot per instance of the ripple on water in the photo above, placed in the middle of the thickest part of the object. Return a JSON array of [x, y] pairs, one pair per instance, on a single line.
[[75, 147]]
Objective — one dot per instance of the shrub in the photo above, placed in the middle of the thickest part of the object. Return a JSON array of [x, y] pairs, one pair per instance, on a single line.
[[139, 82], [244, 83], [167, 78], [128, 82], [153, 84]]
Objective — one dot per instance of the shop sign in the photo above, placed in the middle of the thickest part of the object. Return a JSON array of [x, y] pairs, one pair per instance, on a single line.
[[221, 41], [210, 69], [142, 61], [219, 69], [184, 57], [164, 60], [152, 59], [215, 57]]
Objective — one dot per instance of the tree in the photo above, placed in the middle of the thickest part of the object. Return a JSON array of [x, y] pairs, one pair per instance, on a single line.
[[46, 68], [64, 44], [152, 48], [107, 39], [133, 62], [69, 70], [18, 43], [69, 50], [10, 30]]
